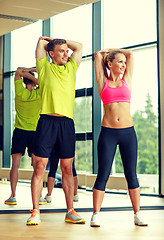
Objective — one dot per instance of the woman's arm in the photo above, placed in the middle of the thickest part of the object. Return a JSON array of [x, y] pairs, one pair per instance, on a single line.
[[129, 66], [129, 62], [100, 69]]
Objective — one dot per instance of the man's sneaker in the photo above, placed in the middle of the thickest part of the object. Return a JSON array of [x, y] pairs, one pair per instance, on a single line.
[[72, 217], [48, 198], [95, 221], [35, 217], [42, 201], [75, 198], [138, 220], [11, 201]]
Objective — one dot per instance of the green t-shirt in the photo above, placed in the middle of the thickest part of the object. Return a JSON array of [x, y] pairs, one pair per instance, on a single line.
[[27, 107], [57, 86]]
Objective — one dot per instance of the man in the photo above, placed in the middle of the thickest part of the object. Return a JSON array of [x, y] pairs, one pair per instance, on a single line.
[[55, 129], [27, 107]]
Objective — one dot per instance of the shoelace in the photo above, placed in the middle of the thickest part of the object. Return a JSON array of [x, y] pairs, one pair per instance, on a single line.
[[73, 212], [34, 212]]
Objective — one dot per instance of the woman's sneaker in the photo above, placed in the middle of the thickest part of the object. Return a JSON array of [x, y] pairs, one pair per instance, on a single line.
[[34, 219], [95, 221], [48, 198], [72, 217], [11, 201], [138, 220]]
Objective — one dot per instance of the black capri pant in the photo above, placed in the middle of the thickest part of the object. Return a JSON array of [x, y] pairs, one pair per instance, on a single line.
[[107, 144]]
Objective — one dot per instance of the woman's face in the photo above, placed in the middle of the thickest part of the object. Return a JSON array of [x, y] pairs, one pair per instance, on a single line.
[[118, 65]]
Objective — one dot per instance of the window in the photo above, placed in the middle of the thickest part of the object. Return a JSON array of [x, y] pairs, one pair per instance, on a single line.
[[24, 42], [83, 114], [133, 23], [128, 23], [84, 74], [73, 25]]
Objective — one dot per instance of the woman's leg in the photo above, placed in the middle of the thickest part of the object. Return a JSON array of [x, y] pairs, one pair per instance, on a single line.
[[128, 150], [135, 199], [107, 145]]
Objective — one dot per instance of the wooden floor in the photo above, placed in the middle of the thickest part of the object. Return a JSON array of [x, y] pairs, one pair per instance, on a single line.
[[58, 199], [114, 226]]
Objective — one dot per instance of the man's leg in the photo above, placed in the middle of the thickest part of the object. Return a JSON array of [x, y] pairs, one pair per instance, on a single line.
[[16, 160], [37, 180], [68, 187], [67, 181], [36, 188]]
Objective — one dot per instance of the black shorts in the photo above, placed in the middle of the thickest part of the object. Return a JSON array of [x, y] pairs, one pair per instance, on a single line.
[[56, 133], [22, 139]]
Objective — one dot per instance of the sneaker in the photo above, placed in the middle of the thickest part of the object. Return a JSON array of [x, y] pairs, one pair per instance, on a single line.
[[95, 221], [48, 198], [75, 198], [11, 201], [42, 201], [35, 217], [138, 220], [72, 217]]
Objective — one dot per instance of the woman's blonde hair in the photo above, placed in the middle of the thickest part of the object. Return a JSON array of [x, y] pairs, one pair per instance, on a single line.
[[109, 57]]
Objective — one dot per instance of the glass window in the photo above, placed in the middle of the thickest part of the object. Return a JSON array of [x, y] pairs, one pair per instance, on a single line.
[[145, 117], [128, 23], [83, 156], [83, 114], [84, 74], [144, 78], [24, 42], [75, 24]]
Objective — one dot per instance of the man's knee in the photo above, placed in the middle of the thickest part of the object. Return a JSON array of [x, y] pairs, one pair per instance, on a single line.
[[39, 166], [66, 167], [16, 160]]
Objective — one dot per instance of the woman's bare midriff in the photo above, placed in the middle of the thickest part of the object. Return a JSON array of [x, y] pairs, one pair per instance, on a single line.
[[117, 115]]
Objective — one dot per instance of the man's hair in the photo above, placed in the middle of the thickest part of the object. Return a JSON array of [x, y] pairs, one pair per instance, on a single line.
[[54, 42], [28, 81]]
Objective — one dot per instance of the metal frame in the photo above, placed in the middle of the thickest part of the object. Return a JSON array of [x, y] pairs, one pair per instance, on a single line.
[[6, 101], [96, 103]]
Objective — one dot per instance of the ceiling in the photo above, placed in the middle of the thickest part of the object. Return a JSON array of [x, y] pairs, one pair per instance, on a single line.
[[18, 13]]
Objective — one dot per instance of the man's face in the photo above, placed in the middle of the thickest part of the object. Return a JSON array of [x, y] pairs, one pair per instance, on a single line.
[[60, 54]]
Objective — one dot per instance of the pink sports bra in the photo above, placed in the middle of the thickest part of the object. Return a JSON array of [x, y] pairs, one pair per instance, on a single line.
[[119, 94]]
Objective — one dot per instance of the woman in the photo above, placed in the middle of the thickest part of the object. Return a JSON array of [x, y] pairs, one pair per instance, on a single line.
[[117, 127]]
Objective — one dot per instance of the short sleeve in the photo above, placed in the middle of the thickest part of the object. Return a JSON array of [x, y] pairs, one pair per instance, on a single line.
[[40, 63], [73, 63]]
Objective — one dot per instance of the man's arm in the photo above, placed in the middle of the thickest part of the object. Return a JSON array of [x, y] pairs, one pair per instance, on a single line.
[[77, 49], [41, 48], [24, 72]]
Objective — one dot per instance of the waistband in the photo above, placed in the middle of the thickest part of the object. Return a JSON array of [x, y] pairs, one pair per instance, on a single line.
[[55, 118], [118, 130]]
